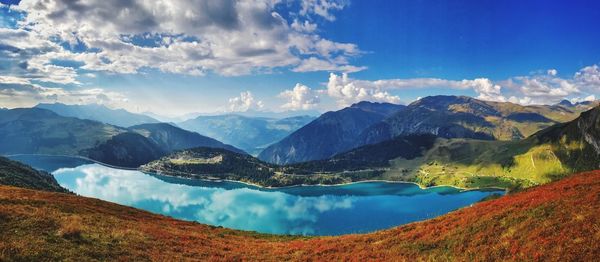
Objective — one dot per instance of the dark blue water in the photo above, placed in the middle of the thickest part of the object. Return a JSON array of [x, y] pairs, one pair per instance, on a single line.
[[306, 210]]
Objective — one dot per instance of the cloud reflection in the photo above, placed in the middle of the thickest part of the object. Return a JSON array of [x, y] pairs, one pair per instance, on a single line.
[[242, 208]]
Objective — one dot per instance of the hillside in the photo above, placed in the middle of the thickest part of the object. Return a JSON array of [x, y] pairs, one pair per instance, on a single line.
[[40, 131], [13, 173], [373, 157], [100, 113], [557, 222], [126, 150], [328, 135], [218, 164], [547, 155], [171, 138], [252, 134], [466, 117]]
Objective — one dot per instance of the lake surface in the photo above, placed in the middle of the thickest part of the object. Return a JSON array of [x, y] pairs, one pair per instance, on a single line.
[[305, 210]]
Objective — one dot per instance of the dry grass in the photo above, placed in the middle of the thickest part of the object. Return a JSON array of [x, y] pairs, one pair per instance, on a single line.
[[559, 221]]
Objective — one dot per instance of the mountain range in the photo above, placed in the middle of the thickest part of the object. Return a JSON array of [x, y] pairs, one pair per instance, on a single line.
[[443, 116], [252, 134], [466, 117], [329, 134], [100, 113], [41, 131], [426, 159]]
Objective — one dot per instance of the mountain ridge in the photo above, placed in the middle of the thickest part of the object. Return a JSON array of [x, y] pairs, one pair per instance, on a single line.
[[329, 134], [100, 113]]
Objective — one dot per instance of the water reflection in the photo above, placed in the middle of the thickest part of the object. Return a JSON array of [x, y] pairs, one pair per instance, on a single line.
[[241, 208], [317, 210]]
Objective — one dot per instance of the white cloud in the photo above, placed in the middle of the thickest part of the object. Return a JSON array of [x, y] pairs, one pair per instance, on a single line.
[[322, 8], [588, 78], [486, 89], [244, 102], [584, 99], [187, 37], [541, 88], [301, 97], [19, 92], [347, 91], [315, 64], [552, 72], [306, 27]]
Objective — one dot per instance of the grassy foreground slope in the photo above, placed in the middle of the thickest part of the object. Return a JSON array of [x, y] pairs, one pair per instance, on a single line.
[[558, 221]]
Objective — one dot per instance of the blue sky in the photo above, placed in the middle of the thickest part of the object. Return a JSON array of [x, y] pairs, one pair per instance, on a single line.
[[176, 57]]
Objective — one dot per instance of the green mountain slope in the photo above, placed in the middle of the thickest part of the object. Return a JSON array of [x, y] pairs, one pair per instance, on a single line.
[[466, 117], [547, 155]]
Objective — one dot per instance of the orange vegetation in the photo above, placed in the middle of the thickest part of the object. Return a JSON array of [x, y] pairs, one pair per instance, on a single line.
[[558, 221]]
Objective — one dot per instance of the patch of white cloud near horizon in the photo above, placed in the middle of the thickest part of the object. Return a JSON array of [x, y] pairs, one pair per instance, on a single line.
[[549, 88], [19, 92], [226, 37], [534, 89], [347, 91], [244, 102], [301, 97]]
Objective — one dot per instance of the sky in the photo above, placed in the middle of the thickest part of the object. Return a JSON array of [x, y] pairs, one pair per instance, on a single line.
[[217, 56]]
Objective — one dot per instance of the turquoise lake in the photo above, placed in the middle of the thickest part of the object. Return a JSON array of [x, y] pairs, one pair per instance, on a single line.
[[302, 210]]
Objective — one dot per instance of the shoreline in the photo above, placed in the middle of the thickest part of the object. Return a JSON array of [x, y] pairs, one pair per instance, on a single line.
[[258, 185], [463, 189]]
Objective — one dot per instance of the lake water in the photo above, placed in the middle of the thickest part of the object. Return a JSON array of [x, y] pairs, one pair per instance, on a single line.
[[305, 210]]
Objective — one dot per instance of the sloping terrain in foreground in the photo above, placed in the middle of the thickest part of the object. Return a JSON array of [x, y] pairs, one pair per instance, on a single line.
[[558, 221]]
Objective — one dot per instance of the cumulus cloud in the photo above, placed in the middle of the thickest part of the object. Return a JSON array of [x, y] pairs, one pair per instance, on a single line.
[[301, 97], [540, 88], [244, 102], [549, 88], [187, 37], [347, 91]]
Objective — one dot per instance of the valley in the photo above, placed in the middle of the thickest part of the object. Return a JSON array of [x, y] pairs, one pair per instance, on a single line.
[[427, 160]]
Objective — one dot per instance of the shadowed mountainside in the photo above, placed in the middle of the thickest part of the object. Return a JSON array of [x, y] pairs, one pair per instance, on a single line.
[[13, 173], [330, 134]]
